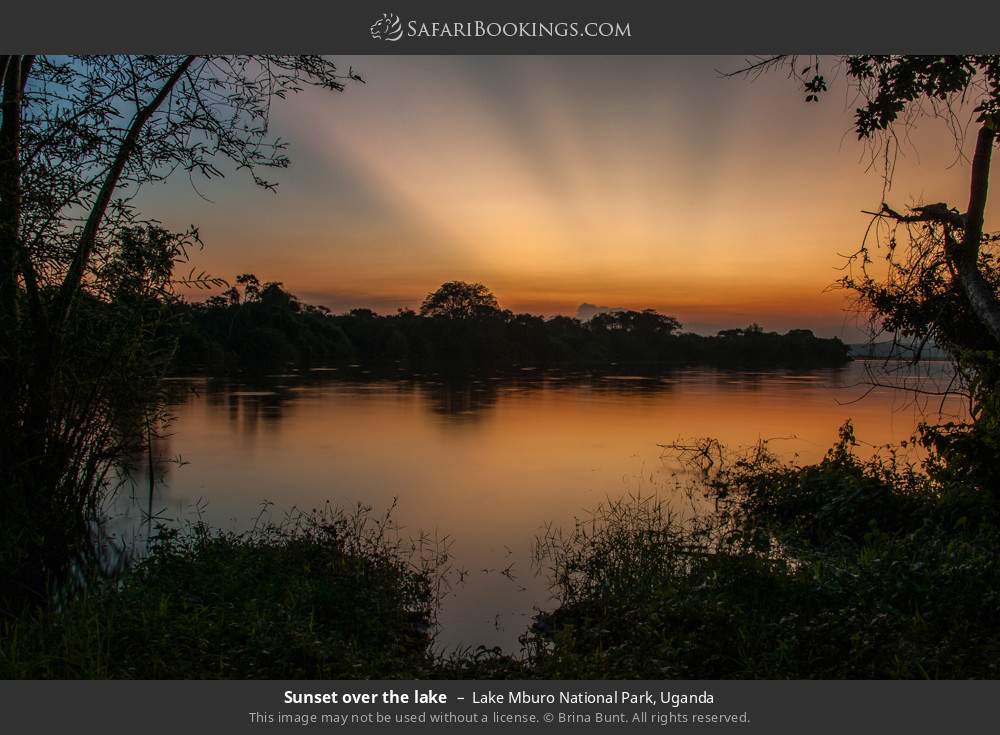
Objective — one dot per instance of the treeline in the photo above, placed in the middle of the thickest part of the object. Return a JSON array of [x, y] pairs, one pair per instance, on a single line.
[[254, 326]]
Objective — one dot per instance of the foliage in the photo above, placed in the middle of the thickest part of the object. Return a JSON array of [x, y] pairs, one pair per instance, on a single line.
[[898, 87], [93, 413], [85, 277], [845, 569], [326, 595], [891, 84], [460, 300], [259, 328], [849, 568]]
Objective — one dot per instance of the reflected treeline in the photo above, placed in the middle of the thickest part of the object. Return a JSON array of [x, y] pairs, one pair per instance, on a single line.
[[266, 403], [261, 403]]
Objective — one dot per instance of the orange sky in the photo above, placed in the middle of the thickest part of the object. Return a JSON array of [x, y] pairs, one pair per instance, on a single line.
[[622, 181]]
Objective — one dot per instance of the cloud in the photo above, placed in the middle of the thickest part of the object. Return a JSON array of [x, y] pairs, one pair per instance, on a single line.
[[585, 312]]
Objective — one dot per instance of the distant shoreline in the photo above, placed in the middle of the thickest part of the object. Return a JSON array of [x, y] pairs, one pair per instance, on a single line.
[[462, 329]]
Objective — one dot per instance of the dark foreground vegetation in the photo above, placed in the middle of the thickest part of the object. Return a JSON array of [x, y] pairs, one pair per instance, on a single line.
[[849, 568], [326, 595], [258, 328], [845, 569]]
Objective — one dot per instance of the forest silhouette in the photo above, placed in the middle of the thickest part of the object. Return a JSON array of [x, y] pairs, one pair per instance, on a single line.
[[460, 327]]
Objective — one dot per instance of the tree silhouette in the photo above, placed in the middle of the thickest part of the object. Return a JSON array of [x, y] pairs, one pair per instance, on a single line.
[[79, 137], [646, 323], [942, 280], [460, 300]]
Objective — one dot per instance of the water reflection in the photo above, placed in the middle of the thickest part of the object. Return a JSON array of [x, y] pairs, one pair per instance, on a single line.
[[489, 459], [266, 402], [459, 402]]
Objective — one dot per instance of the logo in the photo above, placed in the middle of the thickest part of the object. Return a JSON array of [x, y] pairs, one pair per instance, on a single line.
[[387, 28]]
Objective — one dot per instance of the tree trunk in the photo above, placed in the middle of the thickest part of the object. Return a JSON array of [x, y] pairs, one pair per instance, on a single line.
[[982, 297], [10, 214], [48, 345]]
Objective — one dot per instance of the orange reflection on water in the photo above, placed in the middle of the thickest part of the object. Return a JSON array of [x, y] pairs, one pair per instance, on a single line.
[[488, 461]]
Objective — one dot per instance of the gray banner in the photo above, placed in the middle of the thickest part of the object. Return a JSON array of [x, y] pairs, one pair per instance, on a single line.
[[634, 706], [456, 26]]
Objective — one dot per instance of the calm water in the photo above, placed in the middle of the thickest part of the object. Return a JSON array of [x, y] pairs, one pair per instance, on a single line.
[[487, 462]]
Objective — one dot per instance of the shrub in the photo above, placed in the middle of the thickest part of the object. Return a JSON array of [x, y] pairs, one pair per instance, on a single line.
[[845, 569], [324, 595]]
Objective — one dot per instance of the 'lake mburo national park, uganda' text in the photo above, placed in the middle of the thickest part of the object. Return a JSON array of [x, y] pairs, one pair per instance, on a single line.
[[499, 367]]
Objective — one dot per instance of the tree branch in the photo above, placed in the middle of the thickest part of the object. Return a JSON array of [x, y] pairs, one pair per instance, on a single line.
[[939, 213], [88, 238]]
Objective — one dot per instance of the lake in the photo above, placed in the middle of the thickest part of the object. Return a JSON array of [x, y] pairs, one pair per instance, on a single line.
[[486, 462]]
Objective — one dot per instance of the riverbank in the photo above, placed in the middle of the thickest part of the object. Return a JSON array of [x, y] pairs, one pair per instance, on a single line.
[[325, 595]]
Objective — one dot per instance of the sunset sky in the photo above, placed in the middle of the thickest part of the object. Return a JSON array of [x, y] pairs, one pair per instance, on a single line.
[[621, 181]]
